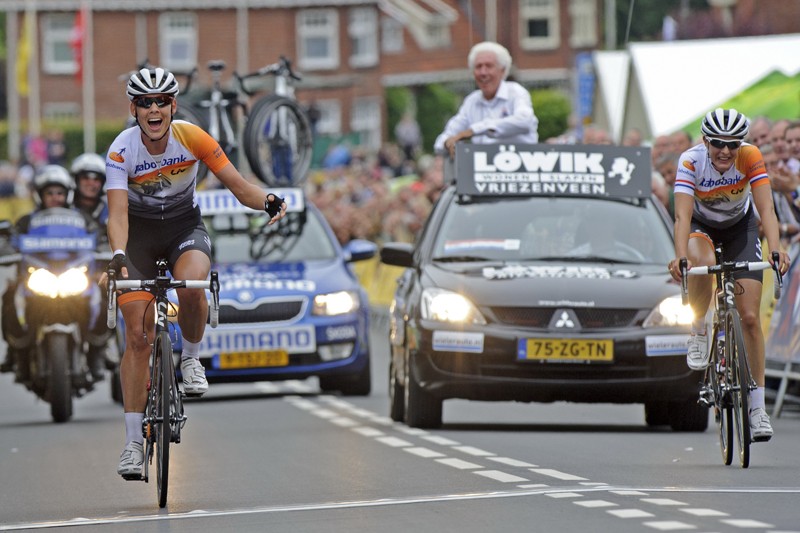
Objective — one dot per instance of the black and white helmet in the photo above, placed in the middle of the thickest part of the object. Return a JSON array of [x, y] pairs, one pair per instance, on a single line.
[[149, 81], [52, 175], [725, 123]]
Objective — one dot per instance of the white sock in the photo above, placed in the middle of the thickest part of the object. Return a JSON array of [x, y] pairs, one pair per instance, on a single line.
[[190, 349], [757, 398], [133, 428], [699, 326]]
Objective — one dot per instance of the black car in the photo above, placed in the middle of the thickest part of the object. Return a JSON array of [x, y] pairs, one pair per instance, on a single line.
[[541, 275]]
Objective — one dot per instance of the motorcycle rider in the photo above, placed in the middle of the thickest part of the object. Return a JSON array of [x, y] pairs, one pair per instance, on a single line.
[[89, 172], [52, 187]]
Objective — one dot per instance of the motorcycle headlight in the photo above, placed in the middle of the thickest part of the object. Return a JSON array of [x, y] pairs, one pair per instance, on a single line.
[[45, 283], [335, 303], [447, 306], [670, 312]]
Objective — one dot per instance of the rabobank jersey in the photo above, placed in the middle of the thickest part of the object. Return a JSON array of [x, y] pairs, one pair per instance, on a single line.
[[721, 199], [164, 189]]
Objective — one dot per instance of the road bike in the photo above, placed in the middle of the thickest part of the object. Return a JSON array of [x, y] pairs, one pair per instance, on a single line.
[[277, 135], [727, 381], [164, 415]]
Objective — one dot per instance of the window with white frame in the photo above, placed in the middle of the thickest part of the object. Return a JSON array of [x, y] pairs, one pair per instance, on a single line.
[[61, 111], [392, 41], [365, 119], [539, 24], [583, 14], [318, 39], [330, 117], [178, 41], [57, 54], [362, 29], [437, 33]]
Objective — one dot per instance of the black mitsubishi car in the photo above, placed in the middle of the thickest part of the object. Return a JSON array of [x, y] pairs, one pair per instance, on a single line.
[[540, 276]]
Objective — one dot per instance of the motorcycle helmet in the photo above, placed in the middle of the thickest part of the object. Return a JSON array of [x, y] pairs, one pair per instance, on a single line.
[[89, 163], [149, 81], [52, 175]]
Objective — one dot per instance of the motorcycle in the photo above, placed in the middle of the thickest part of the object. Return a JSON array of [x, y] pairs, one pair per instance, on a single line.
[[56, 301]]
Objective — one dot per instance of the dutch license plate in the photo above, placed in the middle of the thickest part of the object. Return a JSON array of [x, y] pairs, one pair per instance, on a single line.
[[566, 350], [253, 359]]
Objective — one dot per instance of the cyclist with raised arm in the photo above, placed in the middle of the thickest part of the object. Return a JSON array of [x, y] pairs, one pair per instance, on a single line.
[[151, 169], [717, 183]]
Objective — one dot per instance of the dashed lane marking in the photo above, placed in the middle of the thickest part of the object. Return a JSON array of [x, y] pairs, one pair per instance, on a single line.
[[458, 463], [596, 503], [557, 474], [424, 452], [559, 495], [630, 513], [745, 523], [670, 525], [704, 512], [502, 477]]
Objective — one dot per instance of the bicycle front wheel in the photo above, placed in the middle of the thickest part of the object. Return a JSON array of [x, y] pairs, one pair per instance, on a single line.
[[278, 142], [738, 374], [723, 412], [166, 392]]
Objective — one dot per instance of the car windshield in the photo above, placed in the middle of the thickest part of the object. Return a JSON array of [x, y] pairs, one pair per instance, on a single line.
[[557, 229], [240, 238]]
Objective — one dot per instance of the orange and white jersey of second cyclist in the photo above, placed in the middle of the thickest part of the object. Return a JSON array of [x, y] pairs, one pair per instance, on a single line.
[[721, 199], [161, 187]]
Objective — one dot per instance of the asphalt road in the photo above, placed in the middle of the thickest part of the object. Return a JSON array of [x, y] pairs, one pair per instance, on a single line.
[[281, 457]]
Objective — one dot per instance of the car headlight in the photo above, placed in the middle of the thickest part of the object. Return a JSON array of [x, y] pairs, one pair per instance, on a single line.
[[447, 306], [670, 312], [335, 303], [45, 283]]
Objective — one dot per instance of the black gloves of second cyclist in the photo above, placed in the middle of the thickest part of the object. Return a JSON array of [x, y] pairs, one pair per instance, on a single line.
[[117, 262], [273, 207]]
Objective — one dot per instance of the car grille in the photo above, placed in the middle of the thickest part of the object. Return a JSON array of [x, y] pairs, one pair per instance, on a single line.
[[276, 311], [589, 318]]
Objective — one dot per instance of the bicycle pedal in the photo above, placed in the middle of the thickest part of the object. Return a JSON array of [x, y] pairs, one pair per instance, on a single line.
[[133, 477]]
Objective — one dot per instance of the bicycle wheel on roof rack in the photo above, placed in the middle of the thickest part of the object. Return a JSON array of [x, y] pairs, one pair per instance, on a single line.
[[190, 113], [278, 141]]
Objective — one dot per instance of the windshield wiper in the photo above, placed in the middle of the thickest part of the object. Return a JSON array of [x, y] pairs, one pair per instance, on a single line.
[[461, 258], [582, 259]]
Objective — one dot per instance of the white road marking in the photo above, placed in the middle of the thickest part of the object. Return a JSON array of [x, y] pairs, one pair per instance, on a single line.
[[343, 421], [557, 474], [394, 442], [423, 452], [458, 463], [559, 495], [630, 513], [670, 525], [704, 512], [510, 462], [502, 477], [471, 450], [662, 501], [324, 413], [368, 431], [443, 441], [629, 492], [411, 431], [596, 503], [744, 523], [533, 486]]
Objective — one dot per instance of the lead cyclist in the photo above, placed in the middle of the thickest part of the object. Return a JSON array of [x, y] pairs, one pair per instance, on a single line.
[[717, 183], [151, 171]]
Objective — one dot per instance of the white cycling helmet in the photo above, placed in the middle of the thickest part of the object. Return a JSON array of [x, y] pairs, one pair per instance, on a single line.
[[725, 123], [52, 175], [152, 81], [89, 162]]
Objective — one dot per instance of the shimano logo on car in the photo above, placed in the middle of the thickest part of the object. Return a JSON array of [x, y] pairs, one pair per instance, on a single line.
[[340, 333]]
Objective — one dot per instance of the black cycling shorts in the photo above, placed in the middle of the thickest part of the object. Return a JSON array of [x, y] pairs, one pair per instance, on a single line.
[[740, 242], [149, 239]]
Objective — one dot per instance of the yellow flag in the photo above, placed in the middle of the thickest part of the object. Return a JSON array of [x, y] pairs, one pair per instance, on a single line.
[[24, 55]]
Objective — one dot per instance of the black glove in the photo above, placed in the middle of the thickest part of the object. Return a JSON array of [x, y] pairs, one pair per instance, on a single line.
[[274, 207], [117, 262]]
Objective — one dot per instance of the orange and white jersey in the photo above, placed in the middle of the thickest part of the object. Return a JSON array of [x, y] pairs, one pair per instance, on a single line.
[[721, 199], [161, 187]]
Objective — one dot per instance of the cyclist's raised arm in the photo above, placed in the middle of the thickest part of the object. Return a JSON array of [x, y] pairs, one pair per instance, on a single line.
[[247, 193]]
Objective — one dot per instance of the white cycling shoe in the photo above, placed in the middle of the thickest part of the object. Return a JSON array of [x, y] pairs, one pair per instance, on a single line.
[[760, 426], [131, 461], [697, 353], [194, 377]]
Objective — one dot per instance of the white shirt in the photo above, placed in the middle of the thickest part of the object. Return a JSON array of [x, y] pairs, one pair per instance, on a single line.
[[508, 117]]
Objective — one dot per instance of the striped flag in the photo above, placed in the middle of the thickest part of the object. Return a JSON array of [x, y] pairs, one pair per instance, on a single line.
[[76, 42], [24, 54]]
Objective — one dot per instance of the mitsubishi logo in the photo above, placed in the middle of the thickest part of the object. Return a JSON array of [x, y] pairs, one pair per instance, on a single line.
[[564, 321]]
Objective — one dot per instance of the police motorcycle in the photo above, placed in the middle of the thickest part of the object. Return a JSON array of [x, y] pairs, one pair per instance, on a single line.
[[56, 300]]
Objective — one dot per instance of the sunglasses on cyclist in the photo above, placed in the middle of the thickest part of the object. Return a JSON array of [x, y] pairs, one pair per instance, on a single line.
[[721, 143], [146, 101]]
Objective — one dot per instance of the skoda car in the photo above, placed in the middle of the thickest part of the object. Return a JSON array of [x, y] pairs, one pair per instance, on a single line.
[[290, 305], [541, 276]]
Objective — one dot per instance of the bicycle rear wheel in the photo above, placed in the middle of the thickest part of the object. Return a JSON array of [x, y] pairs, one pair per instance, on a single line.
[[723, 412], [278, 142], [739, 375], [166, 391], [190, 113]]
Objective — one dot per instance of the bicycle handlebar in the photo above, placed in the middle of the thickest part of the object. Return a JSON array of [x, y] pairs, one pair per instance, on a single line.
[[739, 266], [161, 283]]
